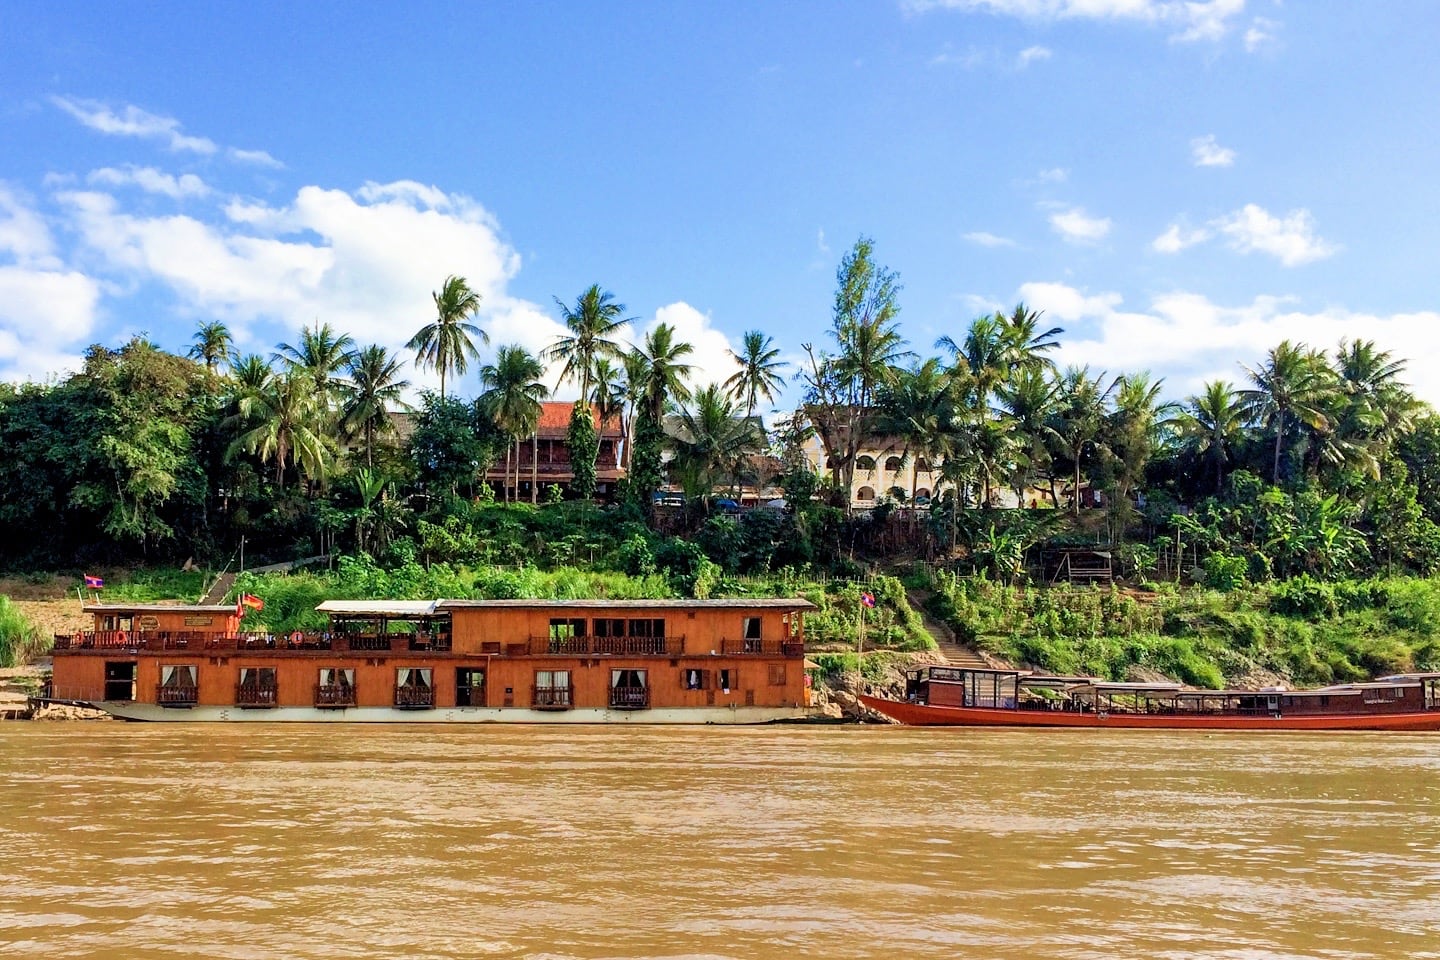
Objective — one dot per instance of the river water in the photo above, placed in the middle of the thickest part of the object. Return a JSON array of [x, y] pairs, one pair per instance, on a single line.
[[141, 841]]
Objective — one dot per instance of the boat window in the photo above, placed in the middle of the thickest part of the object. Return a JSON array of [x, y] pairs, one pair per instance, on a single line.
[[177, 675], [777, 674], [648, 627], [337, 677], [552, 678], [692, 679], [563, 628], [608, 627], [752, 628], [627, 678], [257, 677], [726, 679], [415, 678]]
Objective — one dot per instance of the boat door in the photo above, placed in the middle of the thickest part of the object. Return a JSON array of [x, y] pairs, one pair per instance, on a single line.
[[120, 680], [1272, 703]]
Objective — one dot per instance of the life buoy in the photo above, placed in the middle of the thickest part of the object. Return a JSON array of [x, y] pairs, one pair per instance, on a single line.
[[296, 638]]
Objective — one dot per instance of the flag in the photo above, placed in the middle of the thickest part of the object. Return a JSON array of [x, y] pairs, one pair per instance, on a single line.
[[94, 583], [868, 599], [252, 601]]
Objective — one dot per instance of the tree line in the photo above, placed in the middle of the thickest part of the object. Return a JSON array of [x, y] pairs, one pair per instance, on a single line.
[[146, 453]]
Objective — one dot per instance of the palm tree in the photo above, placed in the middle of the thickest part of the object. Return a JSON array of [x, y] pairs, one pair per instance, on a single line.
[[636, 368], [285, 423], [1028, 400], [665, 375], [980, 363], [1134, 432], [594, 319], [212, 344], [917, 408], [513, 390], [322, 354], [1079, 419], [712, 440], [759, 375], [1026, 346], [374, 386], [1212, 424], [250, 373], [446, 343], [1294, 383]]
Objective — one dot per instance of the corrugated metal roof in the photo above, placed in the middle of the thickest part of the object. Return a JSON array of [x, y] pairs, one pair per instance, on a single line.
[[391, 608], [767, 603], [159, 608]]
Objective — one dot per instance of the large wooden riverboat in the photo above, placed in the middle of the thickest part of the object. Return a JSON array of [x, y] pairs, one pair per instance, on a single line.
[[966, 697], [448, 661]]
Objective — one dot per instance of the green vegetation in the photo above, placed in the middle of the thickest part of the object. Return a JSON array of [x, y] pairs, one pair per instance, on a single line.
[[20, 640]]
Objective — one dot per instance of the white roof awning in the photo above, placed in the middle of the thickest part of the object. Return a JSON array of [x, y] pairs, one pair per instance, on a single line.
[[381, 608]]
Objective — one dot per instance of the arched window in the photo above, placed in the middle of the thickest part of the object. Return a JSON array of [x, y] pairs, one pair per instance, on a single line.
[[922, 492], [892, 464], [865, 463], [865, 493], [922, 465]]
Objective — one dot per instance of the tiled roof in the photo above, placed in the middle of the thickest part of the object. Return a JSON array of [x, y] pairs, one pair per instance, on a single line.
[[555, 419]]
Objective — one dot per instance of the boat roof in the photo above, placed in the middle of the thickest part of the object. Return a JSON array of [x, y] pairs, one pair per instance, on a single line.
[[1400, 677], [1108, 686], [381, 608], [737, 603], [159, 608]]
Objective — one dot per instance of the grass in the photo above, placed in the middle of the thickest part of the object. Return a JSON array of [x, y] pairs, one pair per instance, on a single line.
[[20, 640]]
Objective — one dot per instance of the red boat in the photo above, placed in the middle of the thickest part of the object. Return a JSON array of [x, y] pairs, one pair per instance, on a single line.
[[969, 697]]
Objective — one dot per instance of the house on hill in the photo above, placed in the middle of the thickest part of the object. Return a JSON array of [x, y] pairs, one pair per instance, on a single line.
[[545, 459]]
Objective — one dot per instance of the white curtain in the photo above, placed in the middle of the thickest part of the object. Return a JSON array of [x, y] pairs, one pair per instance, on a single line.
[[182, 675]]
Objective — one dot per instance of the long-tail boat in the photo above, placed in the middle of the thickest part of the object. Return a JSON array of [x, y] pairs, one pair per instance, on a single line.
[[973, 697]]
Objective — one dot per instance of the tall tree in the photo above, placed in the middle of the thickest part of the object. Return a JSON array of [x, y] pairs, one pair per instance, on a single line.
[[1293, 384], [1212, 425], [1028, 400], [664, 379], [512, 394], [840, 389], [322, 354], [283, 421], [212, 343], [759, 377], [1133, 434], [711, 441], [591, 325], [447, 343], [373, 388], [636, 374], [1079, 420]]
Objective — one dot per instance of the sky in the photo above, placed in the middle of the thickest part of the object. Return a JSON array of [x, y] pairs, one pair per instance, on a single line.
[[1179, 185]]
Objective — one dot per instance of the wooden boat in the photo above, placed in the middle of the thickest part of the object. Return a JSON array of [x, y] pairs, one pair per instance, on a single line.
[[448, 661], [968, 697]]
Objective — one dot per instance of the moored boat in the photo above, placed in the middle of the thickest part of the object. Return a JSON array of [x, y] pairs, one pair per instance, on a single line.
[[448, 661], [969, 697]]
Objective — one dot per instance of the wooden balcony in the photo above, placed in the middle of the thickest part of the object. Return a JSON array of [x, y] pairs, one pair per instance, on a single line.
[[587, 646], [630, 698], [763, 648], [552, 698], [173, 696], [256, 696], [334, 696], [415, 698]]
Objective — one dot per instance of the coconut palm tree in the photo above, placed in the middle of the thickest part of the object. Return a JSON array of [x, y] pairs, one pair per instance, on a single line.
[[665, 375], [373, 388], [591, 323], [447, 344], [322, 354], [759, 376], [1212, 424], [1027, 398], [513, 390], [283, 421], [712, 441], [1295, 384], [1026, 345], [1079, 420], [980, 363], [212, 344], [636, 374]]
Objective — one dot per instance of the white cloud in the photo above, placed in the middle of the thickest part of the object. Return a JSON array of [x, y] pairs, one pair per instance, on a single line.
[[1178, 238], [1291, 239], [1054, 175], [712, 358], [366, 263], [1189, 19], [1261, 34], [985, 239], [1076, 226], [1208, 153], [131, 121], [1188, 339], [258, 157], [42, 312], [1031, 54], [24, 234], [151, 180]]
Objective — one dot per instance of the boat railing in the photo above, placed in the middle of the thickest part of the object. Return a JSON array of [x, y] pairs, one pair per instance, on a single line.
[[754, 646], [256, 695], [176, 696], [584, 646], [560, 697], [334, 695], [630, 697], [414, 698]]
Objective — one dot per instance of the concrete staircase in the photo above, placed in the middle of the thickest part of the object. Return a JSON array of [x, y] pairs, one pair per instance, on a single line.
[[956, 654], [218, 589]]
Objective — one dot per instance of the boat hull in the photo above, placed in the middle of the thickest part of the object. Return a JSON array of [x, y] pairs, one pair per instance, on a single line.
[[123, 710], [923, 715]]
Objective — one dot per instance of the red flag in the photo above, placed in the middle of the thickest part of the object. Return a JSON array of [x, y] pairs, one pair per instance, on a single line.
[[252, 601], [94, 583], [868, 599]]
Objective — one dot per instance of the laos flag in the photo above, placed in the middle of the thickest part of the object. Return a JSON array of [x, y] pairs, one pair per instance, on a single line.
[[94, 583]]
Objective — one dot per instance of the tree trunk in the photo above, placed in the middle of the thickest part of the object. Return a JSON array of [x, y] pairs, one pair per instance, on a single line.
[[1075, 494], [1279, 435], [534, 465]]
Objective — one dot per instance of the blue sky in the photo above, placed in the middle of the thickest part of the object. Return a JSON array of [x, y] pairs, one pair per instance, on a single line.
[[1179, 185]]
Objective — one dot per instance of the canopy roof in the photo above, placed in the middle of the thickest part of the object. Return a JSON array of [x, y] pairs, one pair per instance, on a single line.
[[381, 608], [159, 608]]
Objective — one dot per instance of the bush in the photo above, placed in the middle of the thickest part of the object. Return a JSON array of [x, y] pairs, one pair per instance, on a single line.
[[20, 640]]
